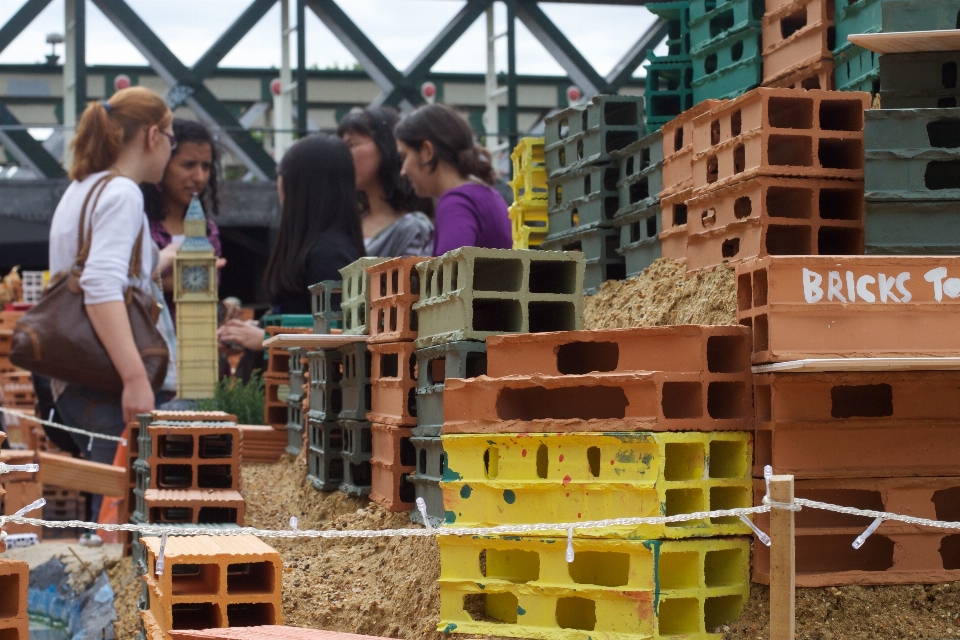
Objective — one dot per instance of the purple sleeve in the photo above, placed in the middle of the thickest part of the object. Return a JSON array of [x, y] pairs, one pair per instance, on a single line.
[[213, 235], [456, 224]]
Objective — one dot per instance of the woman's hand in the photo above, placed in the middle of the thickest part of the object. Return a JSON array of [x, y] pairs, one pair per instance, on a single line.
[[245, 334], [167, 254], [137, 398]]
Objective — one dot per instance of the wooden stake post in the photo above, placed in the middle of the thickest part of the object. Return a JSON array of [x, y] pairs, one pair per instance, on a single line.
[[782, 562]]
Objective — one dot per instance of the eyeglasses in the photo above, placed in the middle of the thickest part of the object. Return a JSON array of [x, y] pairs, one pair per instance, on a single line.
[[172, 138]]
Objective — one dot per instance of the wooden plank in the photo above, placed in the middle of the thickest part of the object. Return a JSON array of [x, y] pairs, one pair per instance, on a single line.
[[312, 341], [908, 41], [81, 475], [782, 562], [862, 364]]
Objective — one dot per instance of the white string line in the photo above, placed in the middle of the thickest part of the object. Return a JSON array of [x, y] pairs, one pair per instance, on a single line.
[[869, 513], [63, 427]]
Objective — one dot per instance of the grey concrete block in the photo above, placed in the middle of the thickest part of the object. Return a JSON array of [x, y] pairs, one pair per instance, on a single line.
[[355, 389], [326, 372], [599, 246], [912, 227], [639, 238], [356, 296], [587, 134], [462, 359], [326, 297], [925, 80], [431, 462]]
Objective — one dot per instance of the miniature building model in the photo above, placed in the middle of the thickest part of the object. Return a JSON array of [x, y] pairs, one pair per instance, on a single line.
[[195, 292]]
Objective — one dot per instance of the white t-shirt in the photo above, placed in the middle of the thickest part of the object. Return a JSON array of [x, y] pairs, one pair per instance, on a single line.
[[117, 221]]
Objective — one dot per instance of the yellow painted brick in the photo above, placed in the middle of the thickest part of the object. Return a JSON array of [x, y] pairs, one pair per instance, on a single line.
[[496, 479], [614, 589], [529, 182], [529, 224]]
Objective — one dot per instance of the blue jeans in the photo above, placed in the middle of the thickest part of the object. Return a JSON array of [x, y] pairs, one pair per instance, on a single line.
[[97, 412]]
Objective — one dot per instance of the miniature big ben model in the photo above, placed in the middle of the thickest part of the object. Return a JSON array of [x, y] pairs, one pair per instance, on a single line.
[[195, 293]]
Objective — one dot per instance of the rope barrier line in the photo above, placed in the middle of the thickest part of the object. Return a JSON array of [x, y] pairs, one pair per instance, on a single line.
[[63, 427]]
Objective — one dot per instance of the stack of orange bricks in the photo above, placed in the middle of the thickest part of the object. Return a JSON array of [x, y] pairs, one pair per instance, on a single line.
[[14, 579], [16, 393], [860, 433], [7, 320], [798, 44], [276, 381], [394, 288], [18, 489], [773, 172]]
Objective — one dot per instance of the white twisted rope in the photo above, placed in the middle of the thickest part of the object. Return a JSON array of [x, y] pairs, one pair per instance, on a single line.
[[63, 427]]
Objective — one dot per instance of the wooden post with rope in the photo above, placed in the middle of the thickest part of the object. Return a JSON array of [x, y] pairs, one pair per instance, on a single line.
[[782, 562]]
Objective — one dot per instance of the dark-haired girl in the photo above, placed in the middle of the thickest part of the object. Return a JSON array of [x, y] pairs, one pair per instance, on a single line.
[[441, 160], [393, 218]]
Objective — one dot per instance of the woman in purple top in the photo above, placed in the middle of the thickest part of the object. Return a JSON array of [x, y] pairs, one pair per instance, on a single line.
[[441, 160]]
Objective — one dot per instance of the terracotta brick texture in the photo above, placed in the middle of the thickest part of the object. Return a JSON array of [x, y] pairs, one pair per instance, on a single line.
[[275, 391], [212, 582], [819, 75], [267, 633], [278, 358], [192, 416], [393, 462], [16, 388], [678, 149], [673, 237], [14, 579], [850, 306], [796, 34], [774, 216], [842, 425], [640, 401], [393, 381], [262, 443], [394, 288], [18, 495], [195, 457], [194, 506], [780, 132], [896, 554]]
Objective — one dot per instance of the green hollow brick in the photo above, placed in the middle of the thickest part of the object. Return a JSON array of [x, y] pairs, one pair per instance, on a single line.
[[355, 389], [426, 480], [912, 228], [355, 304], [326, 371], [677, 16], [669, 91], [583, 198], [857, 69], [912, 154], [924, 80], [462, 359], [639, 238], [471, 293], [599, 247], [920, 15], [861, 16], [586, 134], [728, 68], [325, 300], [711, 20]]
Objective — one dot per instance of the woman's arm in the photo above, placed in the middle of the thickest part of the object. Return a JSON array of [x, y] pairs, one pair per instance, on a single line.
[[110, 321]]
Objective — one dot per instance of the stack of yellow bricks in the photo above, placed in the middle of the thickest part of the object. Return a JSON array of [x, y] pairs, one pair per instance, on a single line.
[[528, 213], [580, 426]]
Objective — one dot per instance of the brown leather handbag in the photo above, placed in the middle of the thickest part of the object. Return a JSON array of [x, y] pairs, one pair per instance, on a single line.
[[55, 338]]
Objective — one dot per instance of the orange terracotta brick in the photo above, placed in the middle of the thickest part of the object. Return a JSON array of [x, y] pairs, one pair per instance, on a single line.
[[195, 457], [819, 75], [678, 149], [392, 462], [841, 425], [774, 216], [14, 580], [192, 416], [673, 238], [647, 401], [723, 351], [795, 34], [278, 358], [393, 381], [262, 443], [785, 132], [394, 288], [850, 306], [896, 554], [194, 506], [16, 388], [18, 495], [212, 582], [268, 632]]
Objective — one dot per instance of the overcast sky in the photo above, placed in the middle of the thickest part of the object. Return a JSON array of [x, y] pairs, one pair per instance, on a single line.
[[399, 28]]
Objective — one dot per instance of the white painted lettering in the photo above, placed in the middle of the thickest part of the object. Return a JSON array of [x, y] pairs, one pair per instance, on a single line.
[[951, 287], [851, 288], [886, 288], [811, 286], [834, 286], [936, 276], [905, 294], [862, 290]]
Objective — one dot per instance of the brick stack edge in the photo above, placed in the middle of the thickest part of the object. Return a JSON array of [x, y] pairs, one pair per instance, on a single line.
[[267, 632], [585, 425], [276, 381], [14, 580], [869, 439]]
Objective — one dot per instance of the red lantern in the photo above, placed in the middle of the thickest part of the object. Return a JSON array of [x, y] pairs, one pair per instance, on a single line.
[[121, 81], [429, 91], [573, 94], [276, 87]]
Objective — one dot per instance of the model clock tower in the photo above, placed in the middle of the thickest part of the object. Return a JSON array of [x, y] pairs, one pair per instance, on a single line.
[[195, 293]]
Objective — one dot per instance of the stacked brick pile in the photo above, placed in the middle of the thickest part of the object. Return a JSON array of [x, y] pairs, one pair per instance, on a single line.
[[774, 172], [669, 90], [466, 296], [726, 50], [394, 290], [187, 471], [276, 380], [210, 582], [857, 69], [880, 438], [528, 212], [638, 197], [339, 436], [7, 320], [14, 580], [588, 425], [297, 398], [16, 393], [798, 44], [18, 489], [582, 177]]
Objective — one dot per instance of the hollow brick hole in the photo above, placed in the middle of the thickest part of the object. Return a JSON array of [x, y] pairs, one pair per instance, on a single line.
[[840, 154], [736, 123], [715, 133], [551, 316], [579, 358], [619, 139], [389, 367], [412, 402], [841, 204], [393, 319], [839, 241], [678, 139], [491, 462], [742, 207], [422, 463], [679, 215], [476, 364], [861, 401], [681, 400], [721, 22], [497, 274], [195, 579], [727, 354], [713, 169], [744, 293], [950, 551], [174, 476], [512, 565], [558, 194], [944, 134], [789, 202], [579, 150], [736, 51], [792, 23], [600, 568], [788, 240], [841, 115], [760, 337], [500, 608], [408, 454], [629, 169], [683, 461], [171, 514], [497, 315], [739, 158], [728, 459], [721, 610], [947, 504], [644, 158], [543, 462], [563, 128], [216, 515], [729, 498], [574, 612], [10, 596], [639, 190], [584, 403], [679, 570], [708, 218], [251, 614], [727, 400], [834, 553], [680, 501], [790, 113], [553, 276], [948, 75], [790, 151], [394, 281], [593, 461], [201, 615], [678, 616], [214, 476], [762, 400], [730, 248], [175, 446], [436, 370], [942, 174], [710, 64]]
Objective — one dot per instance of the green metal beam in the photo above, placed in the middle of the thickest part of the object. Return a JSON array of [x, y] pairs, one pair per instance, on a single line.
[[27, 151], [20, 20], [186, 88], [302, 68], [231, 37], [625, 69]]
